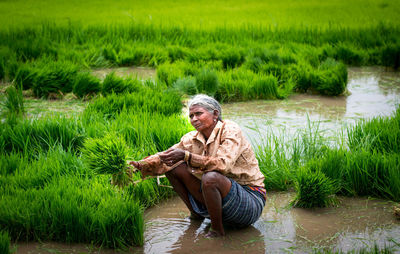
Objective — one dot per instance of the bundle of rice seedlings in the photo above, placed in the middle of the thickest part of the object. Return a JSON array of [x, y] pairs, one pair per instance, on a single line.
[[314, 189], [4, 242], [108, 155], [13, 105], [86, 85]]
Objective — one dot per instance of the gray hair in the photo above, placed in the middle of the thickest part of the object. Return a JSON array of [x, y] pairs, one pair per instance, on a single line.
[[206, 102]]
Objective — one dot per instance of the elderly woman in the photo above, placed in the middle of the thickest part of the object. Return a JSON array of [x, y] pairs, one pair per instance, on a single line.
[[213, 169]]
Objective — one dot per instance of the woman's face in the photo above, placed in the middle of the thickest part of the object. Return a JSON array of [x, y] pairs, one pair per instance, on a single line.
[[201, 119]]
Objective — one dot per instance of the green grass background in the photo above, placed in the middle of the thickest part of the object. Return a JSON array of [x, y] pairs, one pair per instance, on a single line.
[[204, 13]]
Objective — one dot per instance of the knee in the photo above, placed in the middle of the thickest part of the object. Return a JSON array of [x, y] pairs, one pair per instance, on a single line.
[[177, 172], [210, 180]]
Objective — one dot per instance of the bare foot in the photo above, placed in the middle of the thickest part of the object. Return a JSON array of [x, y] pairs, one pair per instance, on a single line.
[[195, 216], [213, 234]]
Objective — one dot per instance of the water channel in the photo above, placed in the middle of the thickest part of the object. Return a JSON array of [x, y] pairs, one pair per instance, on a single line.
[[354, 224]]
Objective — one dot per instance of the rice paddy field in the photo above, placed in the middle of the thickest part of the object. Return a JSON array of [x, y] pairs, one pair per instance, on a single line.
[[71, 116]]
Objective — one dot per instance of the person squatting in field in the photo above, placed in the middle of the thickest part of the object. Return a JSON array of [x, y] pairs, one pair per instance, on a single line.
[[213, 169]]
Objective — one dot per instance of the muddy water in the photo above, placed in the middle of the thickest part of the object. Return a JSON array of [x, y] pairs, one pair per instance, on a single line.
[[372, 92], [354, 224]]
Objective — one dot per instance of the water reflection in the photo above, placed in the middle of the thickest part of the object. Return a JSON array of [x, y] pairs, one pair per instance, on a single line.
[[372, 92], [354, 224], [168, 230]]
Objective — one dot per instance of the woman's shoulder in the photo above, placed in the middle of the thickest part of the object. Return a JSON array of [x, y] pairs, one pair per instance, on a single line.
[[230, 125], [189, 136]]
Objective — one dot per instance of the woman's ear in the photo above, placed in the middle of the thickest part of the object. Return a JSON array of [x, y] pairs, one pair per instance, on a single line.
[[216, 114]]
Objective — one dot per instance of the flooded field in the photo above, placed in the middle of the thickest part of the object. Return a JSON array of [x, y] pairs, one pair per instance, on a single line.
[[354, 224], [372, 92]]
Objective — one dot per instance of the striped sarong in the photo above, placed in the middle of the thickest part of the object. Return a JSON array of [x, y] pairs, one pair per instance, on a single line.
[[241, 207]]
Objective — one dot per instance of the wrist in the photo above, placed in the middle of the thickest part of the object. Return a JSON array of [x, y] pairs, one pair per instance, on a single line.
[[187, 156]]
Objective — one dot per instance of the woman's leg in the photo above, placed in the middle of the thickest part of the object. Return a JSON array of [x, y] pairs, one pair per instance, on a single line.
[[215, 187], [183, 182]]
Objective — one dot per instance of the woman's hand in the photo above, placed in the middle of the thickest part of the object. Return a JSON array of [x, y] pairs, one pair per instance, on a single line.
[[172, 156]]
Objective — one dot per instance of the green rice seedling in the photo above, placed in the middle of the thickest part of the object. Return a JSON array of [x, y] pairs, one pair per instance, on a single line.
[[313, 189], [114, 84], [14, 103], [380, 134], [349, 55], [332, 78], [370, 173], [207, 81], [186, 85], [110, 54], [333, 164], [231, 57], [169, 73], [4, 242], [25, 76], [391, 55], [176, 52], [274, 163], [48, 167], [54, 79], [9, 163], [264, 87], [2, 68], [33, 49], [108, 155], [76, 210], [164, 102], [33, 136], [86, 85]]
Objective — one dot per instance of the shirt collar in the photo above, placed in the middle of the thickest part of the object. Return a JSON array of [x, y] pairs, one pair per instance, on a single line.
[[200, 137]]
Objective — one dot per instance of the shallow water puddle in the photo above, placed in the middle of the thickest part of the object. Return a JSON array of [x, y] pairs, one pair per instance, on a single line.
[[354, 224]]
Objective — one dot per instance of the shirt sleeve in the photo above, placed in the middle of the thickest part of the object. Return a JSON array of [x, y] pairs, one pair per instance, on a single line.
[[227, 153]]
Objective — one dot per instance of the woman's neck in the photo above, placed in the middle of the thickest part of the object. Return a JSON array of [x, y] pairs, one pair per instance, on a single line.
[[207, 133]]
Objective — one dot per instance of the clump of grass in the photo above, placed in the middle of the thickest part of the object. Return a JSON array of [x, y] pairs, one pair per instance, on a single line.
[[381, 134], [108, 155], [313, 189], [54, 79], [2, 69], [13, 105], [34, 136], [114, 84], [79, 210], [148, 100], [4, 242], [86, 85], [186, 85], [9, 163], [391, 55], [25, 76], [207, 81]]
